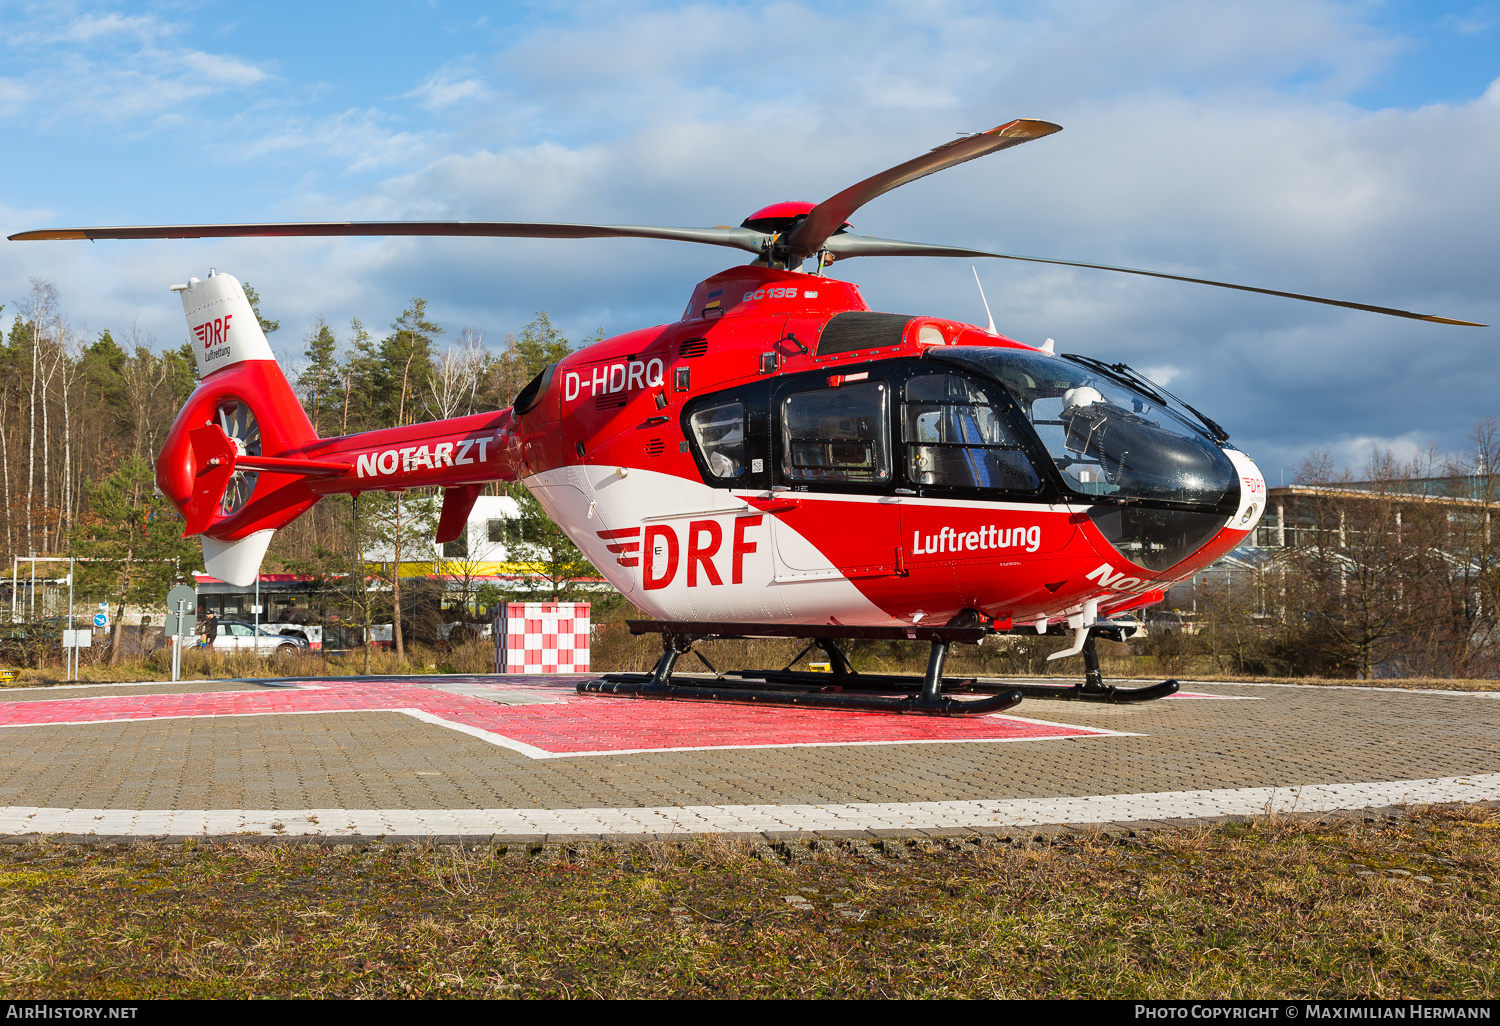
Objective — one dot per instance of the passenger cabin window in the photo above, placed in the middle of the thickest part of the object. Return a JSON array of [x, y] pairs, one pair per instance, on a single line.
[[956, 437], [719, 432], [837, 435]]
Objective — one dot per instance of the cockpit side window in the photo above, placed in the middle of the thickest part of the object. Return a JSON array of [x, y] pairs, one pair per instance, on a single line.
[[956, 437], [719, 434], [837, 435]]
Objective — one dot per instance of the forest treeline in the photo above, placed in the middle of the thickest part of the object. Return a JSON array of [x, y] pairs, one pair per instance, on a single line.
[[83, 418]]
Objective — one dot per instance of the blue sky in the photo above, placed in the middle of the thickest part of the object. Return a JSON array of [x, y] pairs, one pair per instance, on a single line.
[[1343, 149]]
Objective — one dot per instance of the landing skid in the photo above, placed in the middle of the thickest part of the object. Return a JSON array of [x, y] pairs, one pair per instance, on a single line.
[[1093, 688], [931, 694]]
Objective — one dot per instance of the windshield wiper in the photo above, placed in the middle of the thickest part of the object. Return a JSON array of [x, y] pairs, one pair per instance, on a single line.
[[1134, 379]]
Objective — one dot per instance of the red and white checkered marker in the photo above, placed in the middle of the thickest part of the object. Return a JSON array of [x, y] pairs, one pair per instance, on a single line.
[[542, 637]]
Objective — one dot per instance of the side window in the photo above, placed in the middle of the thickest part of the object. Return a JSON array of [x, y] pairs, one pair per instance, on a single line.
[[719, 433], [955, 437], [837, 435]]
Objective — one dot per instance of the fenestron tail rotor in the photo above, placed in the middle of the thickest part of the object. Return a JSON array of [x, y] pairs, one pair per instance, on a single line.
[[814, 235], [239, 423]]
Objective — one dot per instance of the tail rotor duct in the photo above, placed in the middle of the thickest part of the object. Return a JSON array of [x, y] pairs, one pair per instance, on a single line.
[[239, 423]]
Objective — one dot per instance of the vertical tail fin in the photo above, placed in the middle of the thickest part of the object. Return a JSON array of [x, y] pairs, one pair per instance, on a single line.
[[223, 322]]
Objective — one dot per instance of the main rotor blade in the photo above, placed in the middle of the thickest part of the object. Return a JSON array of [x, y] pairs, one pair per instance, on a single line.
[[824, 219], [845, 246], [736, 238]]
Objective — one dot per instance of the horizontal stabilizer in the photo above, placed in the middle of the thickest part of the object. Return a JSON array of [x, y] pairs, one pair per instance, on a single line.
[[302, 468]]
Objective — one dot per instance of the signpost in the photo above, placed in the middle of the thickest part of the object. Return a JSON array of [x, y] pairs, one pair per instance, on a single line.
[[181, 622]]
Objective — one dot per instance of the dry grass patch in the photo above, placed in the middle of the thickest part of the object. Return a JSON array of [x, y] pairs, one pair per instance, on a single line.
[[1277, 907]]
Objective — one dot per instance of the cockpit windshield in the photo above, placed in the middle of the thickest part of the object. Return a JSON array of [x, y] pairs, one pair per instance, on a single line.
[[1107, 439]]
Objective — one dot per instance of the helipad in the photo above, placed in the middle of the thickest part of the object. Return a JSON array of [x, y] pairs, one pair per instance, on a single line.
[[527, 757]]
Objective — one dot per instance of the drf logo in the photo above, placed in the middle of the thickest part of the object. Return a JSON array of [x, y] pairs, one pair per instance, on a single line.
[[606, 379], [214, 332], [660, 551]]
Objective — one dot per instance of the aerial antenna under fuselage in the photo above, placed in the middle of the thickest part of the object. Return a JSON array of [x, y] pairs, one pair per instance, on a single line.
[[986, 302]]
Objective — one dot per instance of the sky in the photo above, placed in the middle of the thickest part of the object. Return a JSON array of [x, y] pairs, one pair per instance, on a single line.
[[1349, 150]]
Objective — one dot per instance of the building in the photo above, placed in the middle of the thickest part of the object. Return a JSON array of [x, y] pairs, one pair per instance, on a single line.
[[1346, 518]]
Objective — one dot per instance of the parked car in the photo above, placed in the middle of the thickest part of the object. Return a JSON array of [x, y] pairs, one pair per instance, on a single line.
[[239, 636], [310, 633]]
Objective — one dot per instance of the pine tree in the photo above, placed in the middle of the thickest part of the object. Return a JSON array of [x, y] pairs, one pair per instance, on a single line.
[[103, 376], [321, 383], [405, 372], [359, 410], [539, 344], [526, 355], [254, 298]]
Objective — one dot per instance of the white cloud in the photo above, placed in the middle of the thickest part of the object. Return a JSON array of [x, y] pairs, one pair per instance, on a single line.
[[219, 68], [92, 26], [1467, 24], [359, 139], [1358, 454], [104, 67], [13, 96], [453, 83], [1162, 374], [51, 23]]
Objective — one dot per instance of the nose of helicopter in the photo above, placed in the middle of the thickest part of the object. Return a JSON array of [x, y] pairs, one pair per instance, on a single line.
[[1176, 542], [1252, 492]]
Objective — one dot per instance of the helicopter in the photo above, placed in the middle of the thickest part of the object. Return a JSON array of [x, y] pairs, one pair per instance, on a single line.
[[782, 461]]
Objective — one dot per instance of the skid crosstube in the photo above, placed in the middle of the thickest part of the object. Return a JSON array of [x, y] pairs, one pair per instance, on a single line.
[[845, 688]]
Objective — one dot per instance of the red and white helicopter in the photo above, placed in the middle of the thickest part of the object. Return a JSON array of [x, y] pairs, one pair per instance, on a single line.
[[782, 461]]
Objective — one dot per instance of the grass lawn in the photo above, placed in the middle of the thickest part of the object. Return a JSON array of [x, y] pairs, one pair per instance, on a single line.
[[1400, 907]]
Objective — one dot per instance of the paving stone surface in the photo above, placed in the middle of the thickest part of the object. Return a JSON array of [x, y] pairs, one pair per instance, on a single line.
[[482, 743]]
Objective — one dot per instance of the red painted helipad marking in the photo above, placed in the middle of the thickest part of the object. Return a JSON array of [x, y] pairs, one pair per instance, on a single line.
[[577, 726]]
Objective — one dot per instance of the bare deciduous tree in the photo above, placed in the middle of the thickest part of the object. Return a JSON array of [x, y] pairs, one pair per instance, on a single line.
[[455, 379]]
